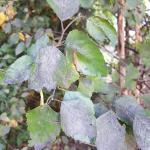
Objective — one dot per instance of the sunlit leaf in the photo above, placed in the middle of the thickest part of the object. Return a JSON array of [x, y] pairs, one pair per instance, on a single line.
[[64, 9], [3, 18], [84, 53], [77, 117], [43, 125], [101, 29]]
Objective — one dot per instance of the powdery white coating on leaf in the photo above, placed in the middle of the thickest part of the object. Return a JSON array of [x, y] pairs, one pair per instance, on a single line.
[[64, 9], [52, 69], [47, 62], [77, 120], [141, 128], [110, 134], [127, 107], [100, 109], [19, 71]]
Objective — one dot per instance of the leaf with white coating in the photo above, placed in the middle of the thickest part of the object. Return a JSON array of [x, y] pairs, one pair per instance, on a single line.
[[141, 128], [64, 9], [77, 117], [19, 71], [110, 134], [127, 107]]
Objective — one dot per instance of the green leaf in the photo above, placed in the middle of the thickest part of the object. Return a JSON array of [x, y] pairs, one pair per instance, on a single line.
[[77, 117], [101, 29], [144, 52], [2, 76], [52, 69], [64, 9], [86, 3], [43, 125], [147, 112], [86, 86], [19, 71], [132, 74], [84, 53]]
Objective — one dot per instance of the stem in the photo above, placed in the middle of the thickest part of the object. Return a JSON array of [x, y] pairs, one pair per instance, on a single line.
[[121, 45], [42, 98], [65, 29]]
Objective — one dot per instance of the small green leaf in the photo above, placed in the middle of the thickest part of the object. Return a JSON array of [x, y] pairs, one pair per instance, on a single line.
[[101, 29], [19, 71], [2, 76], [86, 86], [64, 9], [43, 125], [84, 53]]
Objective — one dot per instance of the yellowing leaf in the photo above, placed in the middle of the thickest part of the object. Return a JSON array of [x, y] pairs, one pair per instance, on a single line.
[[10, 12], [3, 18], [21, 36]]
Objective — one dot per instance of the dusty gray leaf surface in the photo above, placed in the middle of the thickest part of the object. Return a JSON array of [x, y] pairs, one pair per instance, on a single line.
[[100, 109], [77, 117], [47, 61], [141, 127], [126, 107], [51, 69], [19, 71], [110, 134], [64, 8]]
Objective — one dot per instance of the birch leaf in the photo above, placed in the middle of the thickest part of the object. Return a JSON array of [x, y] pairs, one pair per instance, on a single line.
[[141, 127], [19, 71], [110, 134], [51, 69], [43, 125], [77, 117], [64, 9]]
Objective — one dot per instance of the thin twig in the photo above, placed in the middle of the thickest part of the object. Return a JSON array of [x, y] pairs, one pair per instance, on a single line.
[[65, 29]]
